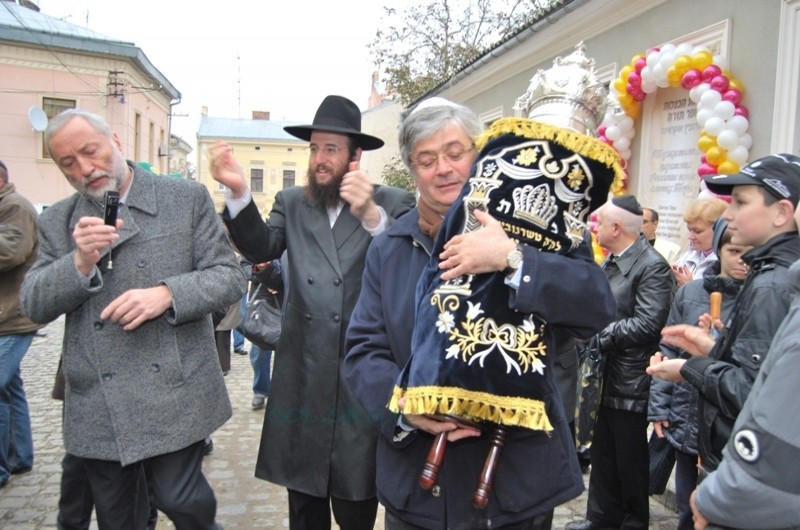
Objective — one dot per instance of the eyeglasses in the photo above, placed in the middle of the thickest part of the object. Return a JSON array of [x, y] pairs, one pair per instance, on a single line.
[[327, 150], [427, 161]]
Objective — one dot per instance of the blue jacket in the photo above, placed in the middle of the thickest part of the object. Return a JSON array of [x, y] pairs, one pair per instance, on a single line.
[[536, 471]]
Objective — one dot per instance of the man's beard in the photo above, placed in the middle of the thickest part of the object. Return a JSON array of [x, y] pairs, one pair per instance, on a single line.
[[116, 178], [326, 195]]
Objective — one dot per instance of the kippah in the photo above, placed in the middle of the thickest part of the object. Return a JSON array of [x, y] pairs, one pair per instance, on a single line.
[[628, 203]]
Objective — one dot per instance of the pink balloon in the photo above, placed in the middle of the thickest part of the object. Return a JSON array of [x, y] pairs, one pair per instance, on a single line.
[[706, 169], [720, 83], [601, 131], [634, 79], [733, 95], [742, 111], [652, 50], [639, 95], [703, 159], [710, 72], [639, 63], [691, 79], [605, 140]]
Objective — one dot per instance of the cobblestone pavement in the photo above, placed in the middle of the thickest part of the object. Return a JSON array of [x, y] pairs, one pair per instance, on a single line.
[[29, 501]]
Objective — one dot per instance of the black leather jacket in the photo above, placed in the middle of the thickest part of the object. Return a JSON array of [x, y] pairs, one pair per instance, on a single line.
[[726, 376], [643, 285]]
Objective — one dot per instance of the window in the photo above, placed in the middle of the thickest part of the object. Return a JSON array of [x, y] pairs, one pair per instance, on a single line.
[[51, 107], [257, 180], [288, 178]]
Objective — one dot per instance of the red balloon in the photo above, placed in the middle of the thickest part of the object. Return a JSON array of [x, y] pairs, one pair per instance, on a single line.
[[706, 169], [691, 78], [634, 79], [733, 95], [710, 72], [720, 83], [639, 63], [742, 111]]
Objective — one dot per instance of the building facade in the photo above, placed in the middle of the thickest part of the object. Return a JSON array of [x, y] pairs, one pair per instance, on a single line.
[[48, 65]]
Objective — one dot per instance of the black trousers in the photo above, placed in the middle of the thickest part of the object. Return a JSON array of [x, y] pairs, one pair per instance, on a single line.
[[307, 512], [173, 482], [619, 480]]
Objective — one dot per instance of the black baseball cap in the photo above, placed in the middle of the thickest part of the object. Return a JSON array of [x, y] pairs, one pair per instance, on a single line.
[[778, 174]]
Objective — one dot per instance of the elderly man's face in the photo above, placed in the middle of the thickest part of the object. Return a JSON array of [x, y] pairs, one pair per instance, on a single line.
[[91, 161]]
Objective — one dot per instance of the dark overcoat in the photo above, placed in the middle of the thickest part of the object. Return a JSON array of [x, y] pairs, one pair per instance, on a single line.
[[316, 439], [157, 389]]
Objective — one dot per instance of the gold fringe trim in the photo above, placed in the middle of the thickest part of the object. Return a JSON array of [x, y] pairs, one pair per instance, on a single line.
[[580, 143], [474, 406]]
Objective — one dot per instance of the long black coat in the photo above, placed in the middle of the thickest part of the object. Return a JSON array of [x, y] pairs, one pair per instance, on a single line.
[[315, 439]]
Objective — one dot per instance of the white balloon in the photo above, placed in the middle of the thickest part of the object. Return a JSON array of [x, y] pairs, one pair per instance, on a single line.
[[653, 59], [683, 49], [727, 139], [709, 99], [668, 48], [738, 154], [647, 74], [625, 155], [625, 124], [746, 141], [713, 126], [721, 61], [702, 117], [630, 133], [621, 144], [739, 124], [650, 87], [667, 59], [697, 92], [613, 133], [724, 110]]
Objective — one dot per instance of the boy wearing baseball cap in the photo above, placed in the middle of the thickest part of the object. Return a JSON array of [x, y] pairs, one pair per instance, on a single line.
[[764, 197]]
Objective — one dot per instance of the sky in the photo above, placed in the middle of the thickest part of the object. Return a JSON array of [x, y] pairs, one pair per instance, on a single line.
[[237, 56]]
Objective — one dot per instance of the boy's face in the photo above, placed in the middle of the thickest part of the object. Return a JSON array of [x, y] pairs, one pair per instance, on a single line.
[[751, 221]]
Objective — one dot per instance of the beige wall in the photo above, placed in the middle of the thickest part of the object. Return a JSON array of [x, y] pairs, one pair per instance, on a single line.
[[381, 121], [28, 75], [271, 156]]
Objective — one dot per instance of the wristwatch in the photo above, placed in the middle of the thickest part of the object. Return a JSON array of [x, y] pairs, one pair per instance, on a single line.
[[513, 261]]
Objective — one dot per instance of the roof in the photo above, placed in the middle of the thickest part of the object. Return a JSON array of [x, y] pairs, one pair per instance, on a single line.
[[246, 129], [22, 25]]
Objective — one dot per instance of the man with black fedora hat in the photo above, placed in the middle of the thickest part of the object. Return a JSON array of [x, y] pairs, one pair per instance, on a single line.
[[317, 440]]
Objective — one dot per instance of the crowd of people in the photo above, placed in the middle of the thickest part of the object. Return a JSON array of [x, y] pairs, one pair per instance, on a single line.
[[144, 355]]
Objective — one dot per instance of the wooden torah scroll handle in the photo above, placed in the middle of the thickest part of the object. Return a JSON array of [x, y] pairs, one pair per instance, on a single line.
[[430, 472], [497, 440]]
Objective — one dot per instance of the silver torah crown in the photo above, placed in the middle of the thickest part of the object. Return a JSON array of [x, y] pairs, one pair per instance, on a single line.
[[567, 95]]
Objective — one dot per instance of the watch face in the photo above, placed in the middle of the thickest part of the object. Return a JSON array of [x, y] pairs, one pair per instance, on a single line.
[[514, 259]]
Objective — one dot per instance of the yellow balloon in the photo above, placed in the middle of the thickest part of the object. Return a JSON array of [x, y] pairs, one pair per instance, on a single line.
[[716, 155], [625, 72], [636, 58], [673, 76], [727, 167], [706, 142], [620, 85], [702, 59], [735, 83], [682, 64]]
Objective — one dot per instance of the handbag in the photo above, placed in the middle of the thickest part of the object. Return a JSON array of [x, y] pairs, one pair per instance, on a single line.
[[590, 391], [262, 320]]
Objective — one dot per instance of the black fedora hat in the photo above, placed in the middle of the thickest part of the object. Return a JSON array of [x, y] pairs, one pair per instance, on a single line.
[[340, 115]]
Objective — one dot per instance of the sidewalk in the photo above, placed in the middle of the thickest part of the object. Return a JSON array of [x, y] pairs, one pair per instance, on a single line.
[[30, 501]]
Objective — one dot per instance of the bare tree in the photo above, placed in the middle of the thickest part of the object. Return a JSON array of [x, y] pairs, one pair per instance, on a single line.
[[424, 45]]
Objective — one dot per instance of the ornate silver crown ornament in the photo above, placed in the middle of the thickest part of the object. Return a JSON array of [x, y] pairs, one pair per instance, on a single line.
[[567, 95]]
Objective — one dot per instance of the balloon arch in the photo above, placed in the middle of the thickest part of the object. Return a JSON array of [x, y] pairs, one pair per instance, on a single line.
[[724, 142]]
